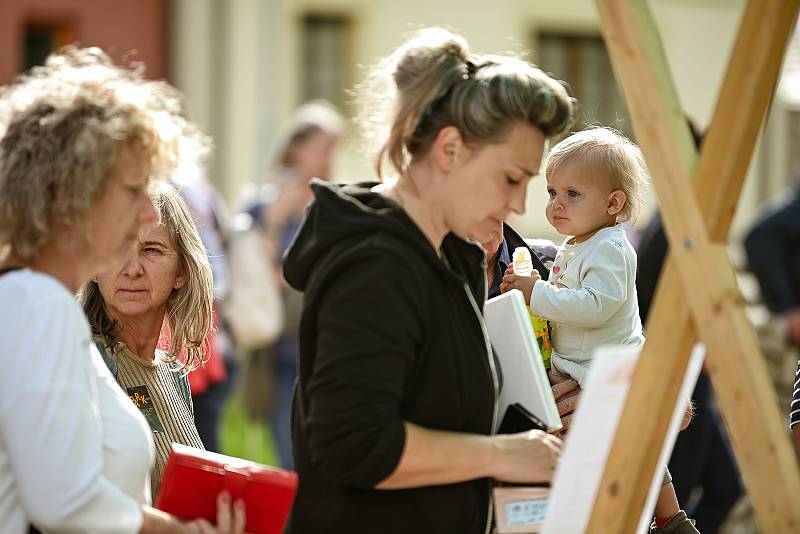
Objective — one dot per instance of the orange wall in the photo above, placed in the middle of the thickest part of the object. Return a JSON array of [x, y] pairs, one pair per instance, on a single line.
[[117, 26]]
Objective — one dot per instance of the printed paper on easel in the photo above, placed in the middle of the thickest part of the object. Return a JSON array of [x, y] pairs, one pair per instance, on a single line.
[[591, 435]]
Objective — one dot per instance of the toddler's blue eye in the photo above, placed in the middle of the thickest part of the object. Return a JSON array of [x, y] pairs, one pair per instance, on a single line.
[[574, 194], [512, 181]]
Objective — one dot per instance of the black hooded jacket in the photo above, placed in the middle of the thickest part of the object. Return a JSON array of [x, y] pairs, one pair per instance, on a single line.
[[390, 332]]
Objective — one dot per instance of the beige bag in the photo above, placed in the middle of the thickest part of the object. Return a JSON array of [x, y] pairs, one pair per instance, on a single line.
[[254, 308]]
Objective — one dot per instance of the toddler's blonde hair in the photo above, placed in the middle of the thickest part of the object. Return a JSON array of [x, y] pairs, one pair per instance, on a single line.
[[615, 155]]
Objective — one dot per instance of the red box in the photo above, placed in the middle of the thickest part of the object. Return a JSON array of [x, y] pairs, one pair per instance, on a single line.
[[193, 478]]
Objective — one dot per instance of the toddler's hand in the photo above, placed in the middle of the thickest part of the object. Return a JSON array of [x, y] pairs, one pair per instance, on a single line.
[[523, 283]]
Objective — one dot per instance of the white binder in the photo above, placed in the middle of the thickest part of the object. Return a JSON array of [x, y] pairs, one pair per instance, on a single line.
[[522, 372]]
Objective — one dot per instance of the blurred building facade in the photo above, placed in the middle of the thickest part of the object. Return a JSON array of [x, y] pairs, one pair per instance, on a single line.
[[268, 56], [128, 30], [246, 64]]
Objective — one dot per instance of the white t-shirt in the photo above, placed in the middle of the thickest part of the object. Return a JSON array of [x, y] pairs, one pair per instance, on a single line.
[[590, 299], [74, 451]]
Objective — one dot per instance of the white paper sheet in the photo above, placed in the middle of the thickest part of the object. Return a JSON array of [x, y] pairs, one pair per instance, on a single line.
[[591, 434], [524, 379]]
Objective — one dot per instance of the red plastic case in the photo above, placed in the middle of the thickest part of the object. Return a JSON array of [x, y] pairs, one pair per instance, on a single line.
[[193, 478]]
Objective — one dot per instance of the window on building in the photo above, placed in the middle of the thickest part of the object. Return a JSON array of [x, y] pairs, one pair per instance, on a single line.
[[40, 38], [583, 62], [326, 58]]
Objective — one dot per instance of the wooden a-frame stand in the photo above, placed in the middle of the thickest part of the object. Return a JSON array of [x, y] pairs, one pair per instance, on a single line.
[[697, 297]]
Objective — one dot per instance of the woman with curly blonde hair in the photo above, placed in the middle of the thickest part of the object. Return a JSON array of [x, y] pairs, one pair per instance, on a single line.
[[164, 276], [80, 139]]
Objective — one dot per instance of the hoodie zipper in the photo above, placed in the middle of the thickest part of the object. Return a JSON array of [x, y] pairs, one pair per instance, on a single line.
[[495, 384]]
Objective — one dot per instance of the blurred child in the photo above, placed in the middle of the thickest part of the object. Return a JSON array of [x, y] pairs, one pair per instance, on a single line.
[[595, 179]]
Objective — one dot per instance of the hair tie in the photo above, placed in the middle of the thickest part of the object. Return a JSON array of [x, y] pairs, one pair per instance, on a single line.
[[471, 69]]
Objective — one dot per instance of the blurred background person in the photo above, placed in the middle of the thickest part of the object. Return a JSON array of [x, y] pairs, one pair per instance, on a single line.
[[773, 256], [163, 279], [305, 149]]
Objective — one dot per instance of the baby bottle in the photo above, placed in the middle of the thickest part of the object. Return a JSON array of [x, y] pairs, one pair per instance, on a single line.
[[523, 266]]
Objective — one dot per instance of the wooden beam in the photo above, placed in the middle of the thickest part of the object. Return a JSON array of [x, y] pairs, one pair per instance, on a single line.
[[750, 79], [744, 99]]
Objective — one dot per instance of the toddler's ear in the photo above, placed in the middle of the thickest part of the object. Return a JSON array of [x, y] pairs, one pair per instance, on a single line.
[[616, 201]]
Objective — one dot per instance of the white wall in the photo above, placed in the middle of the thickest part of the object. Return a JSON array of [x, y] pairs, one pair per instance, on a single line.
[[224, 57], [257, 71]]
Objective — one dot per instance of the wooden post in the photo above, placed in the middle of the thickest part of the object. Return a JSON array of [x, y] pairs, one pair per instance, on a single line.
[[698, 276]]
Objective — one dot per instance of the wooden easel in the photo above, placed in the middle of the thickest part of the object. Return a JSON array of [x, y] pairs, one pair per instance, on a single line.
[[697, 297]]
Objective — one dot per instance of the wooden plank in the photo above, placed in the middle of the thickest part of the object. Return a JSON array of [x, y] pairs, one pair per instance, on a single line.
[[744, 98], [654, 390], [750, 78]]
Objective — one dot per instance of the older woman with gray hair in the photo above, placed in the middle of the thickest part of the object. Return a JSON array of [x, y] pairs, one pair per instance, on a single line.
[[80, 139], [150, 314]]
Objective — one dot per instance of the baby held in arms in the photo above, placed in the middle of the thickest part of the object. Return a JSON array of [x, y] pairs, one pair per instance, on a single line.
[[595, 180]]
